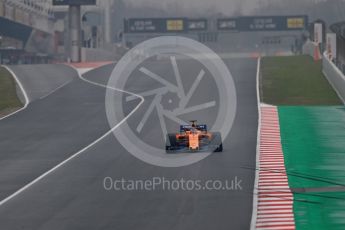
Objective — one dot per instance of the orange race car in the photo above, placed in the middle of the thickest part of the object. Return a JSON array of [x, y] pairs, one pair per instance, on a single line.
[[194, 138]]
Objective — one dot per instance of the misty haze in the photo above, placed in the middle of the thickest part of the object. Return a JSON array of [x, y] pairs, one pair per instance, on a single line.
[[172, 114]]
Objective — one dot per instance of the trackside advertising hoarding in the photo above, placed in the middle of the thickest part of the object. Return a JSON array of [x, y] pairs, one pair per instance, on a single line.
[[197, 24], [164, 25], [263, 23], [73, 2], [155, 25], [238, 24]]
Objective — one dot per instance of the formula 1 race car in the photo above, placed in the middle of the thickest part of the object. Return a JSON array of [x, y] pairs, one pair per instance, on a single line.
[[194, 138]]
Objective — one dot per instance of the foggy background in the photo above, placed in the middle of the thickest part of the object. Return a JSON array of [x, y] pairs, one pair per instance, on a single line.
[[330, 10]]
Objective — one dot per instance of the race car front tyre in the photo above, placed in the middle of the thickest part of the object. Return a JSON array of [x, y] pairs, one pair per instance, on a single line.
[[217, 141], [219, 149]]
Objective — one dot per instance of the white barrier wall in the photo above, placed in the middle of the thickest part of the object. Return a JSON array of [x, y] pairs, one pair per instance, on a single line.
[[335, 77]]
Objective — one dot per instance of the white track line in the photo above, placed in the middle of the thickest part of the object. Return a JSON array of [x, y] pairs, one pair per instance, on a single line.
[[256, 183], [56, 89], [82, 150], [26, 98]]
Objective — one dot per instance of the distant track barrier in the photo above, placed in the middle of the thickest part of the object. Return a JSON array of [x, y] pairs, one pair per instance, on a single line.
[[335, 77]]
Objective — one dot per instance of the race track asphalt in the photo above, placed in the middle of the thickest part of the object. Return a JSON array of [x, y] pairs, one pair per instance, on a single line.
[[40, 81], [49, 129], [73, 196]]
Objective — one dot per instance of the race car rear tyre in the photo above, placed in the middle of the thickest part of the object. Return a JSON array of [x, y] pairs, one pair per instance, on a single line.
[[170, 144]]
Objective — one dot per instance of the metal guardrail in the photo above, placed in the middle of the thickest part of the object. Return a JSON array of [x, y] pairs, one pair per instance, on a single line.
[[335, 77]]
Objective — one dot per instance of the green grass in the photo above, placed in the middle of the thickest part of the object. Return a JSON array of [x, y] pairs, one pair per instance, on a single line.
[[320, 211], [295, 80], [314, 151], [8, 96]]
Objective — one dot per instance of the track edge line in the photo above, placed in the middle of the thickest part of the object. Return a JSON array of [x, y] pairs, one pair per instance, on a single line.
[[256, 182]]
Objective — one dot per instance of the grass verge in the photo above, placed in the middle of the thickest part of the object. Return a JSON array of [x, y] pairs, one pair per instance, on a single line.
[[295, 80], [9, 100], [314, 151], [311, 118]]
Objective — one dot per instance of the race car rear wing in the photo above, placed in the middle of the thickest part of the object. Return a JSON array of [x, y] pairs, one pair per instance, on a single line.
[[184, 128]]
